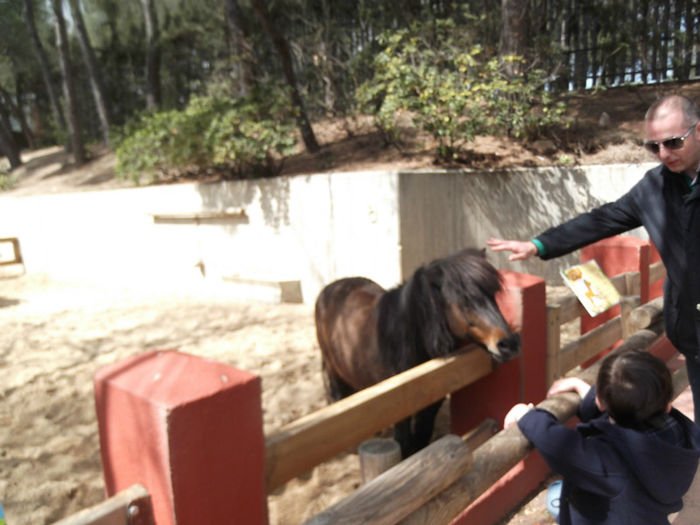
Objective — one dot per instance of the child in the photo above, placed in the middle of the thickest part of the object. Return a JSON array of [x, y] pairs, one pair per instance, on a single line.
[[633, 456]]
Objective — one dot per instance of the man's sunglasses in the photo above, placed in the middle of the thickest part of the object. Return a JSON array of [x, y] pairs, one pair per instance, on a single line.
[[673, 143]]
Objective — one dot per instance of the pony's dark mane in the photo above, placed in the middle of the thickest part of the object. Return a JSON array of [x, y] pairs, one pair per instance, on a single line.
[[412, 326]]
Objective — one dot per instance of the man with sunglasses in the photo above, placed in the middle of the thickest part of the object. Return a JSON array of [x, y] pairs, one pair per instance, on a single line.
[[666, 201]]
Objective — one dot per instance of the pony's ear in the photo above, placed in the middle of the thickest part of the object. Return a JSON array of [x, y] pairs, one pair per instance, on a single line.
[[483, 252]]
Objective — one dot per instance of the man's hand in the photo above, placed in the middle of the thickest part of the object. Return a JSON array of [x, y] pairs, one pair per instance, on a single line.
[[521, 249]]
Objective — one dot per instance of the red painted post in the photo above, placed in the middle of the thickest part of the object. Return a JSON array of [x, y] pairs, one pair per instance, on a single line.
[[523, 379], [190, 431], [523, 303]]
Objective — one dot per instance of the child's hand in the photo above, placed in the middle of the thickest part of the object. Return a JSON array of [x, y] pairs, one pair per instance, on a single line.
[[569, 384], [515, 413]]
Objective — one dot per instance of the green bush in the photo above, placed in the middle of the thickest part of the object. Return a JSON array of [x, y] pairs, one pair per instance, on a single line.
[[7, 181], [235, 138], [453, 90]]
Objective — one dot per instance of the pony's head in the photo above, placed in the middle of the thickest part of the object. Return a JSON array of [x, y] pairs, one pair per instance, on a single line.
[[466, 285]]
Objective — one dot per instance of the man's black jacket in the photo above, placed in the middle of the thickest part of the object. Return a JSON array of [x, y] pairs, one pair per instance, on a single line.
[[669, 209]]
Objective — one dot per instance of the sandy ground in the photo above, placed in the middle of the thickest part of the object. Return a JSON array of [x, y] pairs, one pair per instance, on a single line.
[[55, 336]]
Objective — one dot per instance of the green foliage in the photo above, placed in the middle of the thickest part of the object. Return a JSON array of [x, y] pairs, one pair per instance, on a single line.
[[236, 138], [453, 90], [7, 180]]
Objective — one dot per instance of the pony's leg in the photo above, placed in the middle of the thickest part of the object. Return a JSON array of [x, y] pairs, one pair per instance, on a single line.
[[424, 422], [336, 388], [404, 436]]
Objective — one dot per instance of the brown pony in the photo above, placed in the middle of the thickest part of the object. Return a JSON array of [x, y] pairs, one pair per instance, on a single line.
[[368, 334]]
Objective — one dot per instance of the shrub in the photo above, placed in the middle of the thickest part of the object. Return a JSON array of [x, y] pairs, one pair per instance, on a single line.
[[453, 90], [236, 138]]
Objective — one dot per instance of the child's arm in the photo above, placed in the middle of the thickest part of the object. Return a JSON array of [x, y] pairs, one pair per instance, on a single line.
[[515, 413], [569, 384]]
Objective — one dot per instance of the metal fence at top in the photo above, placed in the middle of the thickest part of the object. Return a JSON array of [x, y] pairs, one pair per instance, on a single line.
[[614, 42]]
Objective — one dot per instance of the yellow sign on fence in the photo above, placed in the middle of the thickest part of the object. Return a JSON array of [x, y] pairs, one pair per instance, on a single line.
[[592, 287]]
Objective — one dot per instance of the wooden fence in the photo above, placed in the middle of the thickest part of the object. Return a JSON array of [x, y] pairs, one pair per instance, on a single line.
[[641, 326], [303, 444]]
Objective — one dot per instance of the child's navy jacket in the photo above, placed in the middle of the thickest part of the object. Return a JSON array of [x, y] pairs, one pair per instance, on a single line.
[[615, 475]]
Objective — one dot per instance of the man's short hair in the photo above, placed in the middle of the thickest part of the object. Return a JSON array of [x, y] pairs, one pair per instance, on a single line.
[[634, 387], [691, 113]]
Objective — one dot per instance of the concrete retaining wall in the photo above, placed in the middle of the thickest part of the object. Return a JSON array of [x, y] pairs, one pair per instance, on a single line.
[[302, 231]]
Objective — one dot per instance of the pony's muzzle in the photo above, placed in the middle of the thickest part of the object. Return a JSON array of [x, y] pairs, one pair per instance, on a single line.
[[507, 348]]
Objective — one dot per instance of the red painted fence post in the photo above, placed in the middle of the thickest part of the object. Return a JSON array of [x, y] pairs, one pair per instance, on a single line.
[[189, 430], [523, 303]]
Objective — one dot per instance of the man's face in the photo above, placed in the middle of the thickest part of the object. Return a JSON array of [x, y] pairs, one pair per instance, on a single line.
[[669, 123]]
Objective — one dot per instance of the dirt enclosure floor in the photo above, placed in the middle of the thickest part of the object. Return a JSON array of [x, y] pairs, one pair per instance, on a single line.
[[55, 336]]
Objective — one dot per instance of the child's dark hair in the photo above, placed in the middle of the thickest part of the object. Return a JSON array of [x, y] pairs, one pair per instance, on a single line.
[[634, 387]]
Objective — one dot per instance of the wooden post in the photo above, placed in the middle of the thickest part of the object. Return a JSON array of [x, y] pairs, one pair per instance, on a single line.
[[187, 429], [627, 305], [553, 343], [376, 456]]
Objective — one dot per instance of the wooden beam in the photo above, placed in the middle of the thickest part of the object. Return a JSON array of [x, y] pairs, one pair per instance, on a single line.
[[199, 217], [648, 313], [657, 271], [553, 343], [131, 506], [627, 305], [590, 344], [570, 308], [402, 489], [317, 437]]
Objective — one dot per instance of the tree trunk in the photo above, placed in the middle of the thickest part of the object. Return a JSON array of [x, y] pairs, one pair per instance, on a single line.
[[153, 87], [282, 48], [72, 110], [241, 46], [8, 145], [93, 68], [60, 121], [515, 37], [17, 112]]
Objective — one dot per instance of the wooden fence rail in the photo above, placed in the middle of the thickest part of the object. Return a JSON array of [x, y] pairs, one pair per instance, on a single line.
[[306, 442], [131, 506]]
